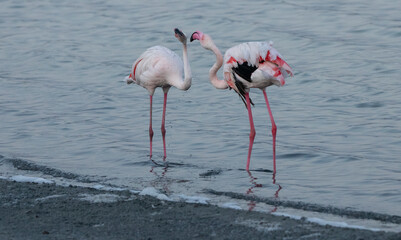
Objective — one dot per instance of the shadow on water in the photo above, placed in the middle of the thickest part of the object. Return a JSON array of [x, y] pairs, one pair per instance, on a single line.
[[161, 179], [152, 162], [164, 171], [257, 170], [26, 165], [210, 173]]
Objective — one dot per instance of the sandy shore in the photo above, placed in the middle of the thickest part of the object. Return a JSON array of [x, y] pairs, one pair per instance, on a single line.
[[48, 211]]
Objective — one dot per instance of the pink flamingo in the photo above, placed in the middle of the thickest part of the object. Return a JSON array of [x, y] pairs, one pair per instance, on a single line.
[[248, 65], [160, 67]]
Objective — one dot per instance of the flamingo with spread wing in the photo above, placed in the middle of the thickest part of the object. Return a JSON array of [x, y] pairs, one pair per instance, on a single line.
[[248, 65]]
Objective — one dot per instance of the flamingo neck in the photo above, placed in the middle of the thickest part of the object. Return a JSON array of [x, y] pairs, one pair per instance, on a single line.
[[186, 84], [217, 83]]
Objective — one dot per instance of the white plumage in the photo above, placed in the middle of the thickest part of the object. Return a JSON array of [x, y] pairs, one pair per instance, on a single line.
[[160, 67], [270, 68]]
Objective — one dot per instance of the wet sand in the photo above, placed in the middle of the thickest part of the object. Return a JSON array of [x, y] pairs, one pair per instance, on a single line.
[[49, 211]]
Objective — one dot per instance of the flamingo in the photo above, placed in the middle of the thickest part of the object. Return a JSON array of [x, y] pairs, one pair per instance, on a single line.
[[158, 66], [248, 65]]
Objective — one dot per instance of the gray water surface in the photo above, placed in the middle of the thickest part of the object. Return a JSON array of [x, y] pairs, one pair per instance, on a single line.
[[63, 104]]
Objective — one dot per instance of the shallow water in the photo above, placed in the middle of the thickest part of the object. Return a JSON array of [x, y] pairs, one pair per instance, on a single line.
[[63, 104]]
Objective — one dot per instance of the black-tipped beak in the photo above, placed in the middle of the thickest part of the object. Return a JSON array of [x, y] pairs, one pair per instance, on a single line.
[[192, 37], [178, 32]]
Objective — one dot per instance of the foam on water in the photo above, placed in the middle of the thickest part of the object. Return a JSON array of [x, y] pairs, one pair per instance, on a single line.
[[150, 191], [325, 222], [100, 198], [231, 205], [153, 192], [192, 199], [49, 197], [20, 178], [108, 188]]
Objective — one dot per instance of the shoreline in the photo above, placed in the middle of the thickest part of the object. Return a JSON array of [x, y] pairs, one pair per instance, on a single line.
[[49, 211]]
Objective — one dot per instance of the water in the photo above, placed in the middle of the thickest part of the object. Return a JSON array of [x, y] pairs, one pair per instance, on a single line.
[[64, 107]]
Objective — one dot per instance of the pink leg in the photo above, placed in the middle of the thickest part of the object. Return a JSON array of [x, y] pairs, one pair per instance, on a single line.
[[274, 130], [163, 125], [150, 126], [252, 132]]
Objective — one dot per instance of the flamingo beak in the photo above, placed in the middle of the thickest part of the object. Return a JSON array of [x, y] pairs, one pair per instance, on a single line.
[[178, 32], [194, 36]]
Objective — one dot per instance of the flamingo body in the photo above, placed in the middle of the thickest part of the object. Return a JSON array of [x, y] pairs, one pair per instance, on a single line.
[[160, 67], [248, 65]]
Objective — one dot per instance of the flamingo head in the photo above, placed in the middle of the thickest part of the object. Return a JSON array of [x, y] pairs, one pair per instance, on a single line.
[[198, 35], [204, 39], [180, 36]]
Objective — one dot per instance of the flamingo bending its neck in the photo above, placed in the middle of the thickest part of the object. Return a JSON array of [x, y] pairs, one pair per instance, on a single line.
[[160, 67], [248, 65]]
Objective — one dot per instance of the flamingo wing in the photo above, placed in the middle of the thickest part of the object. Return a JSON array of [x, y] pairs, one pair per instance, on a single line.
[[244, 71], [155, 66], [254, 64]]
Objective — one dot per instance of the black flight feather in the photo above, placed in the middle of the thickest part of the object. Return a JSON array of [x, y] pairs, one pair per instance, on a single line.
[[241, 90], [245, 71]]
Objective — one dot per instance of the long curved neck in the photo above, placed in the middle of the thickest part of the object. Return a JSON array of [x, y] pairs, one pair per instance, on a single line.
[[219, 84], [186, 84]]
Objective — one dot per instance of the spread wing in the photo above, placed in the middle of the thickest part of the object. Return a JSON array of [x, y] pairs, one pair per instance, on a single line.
[[254, 64]]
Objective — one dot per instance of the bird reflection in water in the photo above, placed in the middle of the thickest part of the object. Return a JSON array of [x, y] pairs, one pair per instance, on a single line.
[[161, 179], [255, 184], [276, 193], [252, 203]]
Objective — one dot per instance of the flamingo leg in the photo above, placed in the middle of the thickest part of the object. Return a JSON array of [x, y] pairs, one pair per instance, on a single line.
[[150, 126], [252, 132], [163, 124], [274, 130]]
